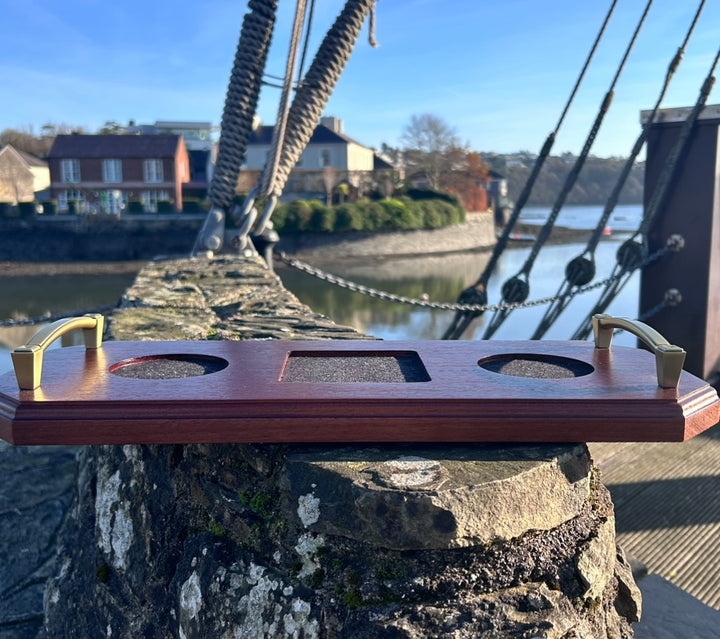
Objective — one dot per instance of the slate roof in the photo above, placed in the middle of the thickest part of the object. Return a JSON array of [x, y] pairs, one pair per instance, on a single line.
[[321, 135], [379, 164], [29, 159], [114, 146]]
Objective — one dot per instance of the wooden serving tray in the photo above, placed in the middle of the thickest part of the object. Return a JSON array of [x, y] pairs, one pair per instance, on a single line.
[[352, 391]]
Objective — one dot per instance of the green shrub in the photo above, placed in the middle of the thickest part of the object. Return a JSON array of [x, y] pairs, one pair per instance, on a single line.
[[165, 206], [431, 194], [26, 209], [135, 206], [72, 207], [366, 215], [399, 214], [431, 217], [193, 205], [373, 215], [298, 216], [279, 217], [49, 207], [348, 218], [322, 217]]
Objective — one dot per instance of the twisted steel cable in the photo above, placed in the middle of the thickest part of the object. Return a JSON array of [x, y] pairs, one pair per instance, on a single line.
[[320, 80], [241, 100]]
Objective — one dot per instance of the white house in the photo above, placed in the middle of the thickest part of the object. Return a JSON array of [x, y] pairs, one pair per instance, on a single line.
[[21, 175], [329, 159]]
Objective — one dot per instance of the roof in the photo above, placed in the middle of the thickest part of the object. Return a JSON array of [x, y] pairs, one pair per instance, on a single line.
[[32, 160], [29, 159], [184, 124], [380, 164], [114, 146], [321, 135]]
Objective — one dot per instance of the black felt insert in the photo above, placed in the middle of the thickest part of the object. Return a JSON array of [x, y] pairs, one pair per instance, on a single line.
[[350, 367], [168, 367], [537, 366]]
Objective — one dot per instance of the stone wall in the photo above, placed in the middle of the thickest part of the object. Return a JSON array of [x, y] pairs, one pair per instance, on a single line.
[[401, 541]]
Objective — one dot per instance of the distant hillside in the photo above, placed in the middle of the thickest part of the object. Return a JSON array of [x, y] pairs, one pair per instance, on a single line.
[[594, 185]]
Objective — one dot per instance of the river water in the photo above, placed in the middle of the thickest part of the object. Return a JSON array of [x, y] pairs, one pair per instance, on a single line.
[[440, 278]]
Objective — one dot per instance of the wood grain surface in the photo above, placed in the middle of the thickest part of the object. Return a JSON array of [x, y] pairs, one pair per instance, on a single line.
[[81, 402]]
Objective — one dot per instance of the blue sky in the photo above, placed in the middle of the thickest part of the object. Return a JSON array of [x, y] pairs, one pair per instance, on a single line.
[[498, 72]]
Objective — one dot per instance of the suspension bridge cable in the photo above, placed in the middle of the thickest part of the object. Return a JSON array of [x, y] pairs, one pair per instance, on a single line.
[[236, 124], [631, 253], [311, 14], [581, 269], [478, 291], [305, 111], [517, 288]]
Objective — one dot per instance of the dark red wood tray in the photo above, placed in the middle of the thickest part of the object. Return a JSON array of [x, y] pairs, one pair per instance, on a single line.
[[352, 391]]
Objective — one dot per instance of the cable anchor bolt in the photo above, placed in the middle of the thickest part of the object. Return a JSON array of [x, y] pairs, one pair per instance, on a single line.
[[676, 242], [673, 297]]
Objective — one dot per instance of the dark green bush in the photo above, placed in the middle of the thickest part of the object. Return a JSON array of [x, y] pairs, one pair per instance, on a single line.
[[279, 217], [26, 209], [348, 218], [49, 207], [193, 205], [165, 206], [72, 207], [366, 215], [298, 216], [322, 217], [400, 215], [135, 206], [431, 194]]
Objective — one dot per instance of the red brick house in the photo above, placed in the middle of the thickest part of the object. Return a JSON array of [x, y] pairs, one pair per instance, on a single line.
[[103, 173]]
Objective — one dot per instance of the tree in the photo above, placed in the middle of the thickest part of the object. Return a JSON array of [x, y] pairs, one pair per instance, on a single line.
[[467, 178], [428, 140], [37, 145], [111, 127]]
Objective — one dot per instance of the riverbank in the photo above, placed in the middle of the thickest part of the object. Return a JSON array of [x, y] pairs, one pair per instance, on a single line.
[[31, 269]]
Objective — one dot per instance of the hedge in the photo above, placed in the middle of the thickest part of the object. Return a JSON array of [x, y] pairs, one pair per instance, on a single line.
[[368, 215]]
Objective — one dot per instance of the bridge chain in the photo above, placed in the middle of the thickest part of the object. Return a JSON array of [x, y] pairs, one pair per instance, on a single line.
[[442, 306], [366, 290]]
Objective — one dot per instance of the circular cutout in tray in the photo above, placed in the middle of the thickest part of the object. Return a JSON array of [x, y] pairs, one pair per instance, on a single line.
[[536, 366], [168, 366]]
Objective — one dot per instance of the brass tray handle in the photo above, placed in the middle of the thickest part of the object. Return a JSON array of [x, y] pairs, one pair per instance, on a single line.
[[669, 359], [28, 360]]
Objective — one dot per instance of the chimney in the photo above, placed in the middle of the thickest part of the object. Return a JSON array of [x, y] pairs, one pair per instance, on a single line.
[[332, 123]]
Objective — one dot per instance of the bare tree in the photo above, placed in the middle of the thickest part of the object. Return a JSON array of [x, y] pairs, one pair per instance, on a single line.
[[428, 141]]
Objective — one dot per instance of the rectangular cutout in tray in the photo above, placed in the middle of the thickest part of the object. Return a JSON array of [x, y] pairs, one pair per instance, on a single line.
[[384, 367]]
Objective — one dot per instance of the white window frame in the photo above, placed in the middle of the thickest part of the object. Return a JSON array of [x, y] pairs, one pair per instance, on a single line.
[[113, 201], [325, 158], [153, 171], [70, 171], [150, 199], [64, 197], [112, 171]]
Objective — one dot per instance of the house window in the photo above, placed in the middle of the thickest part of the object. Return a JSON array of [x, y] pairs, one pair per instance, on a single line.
[[112, 202], [77, 198], [325, 158], [150, 199], [112, 171], [153, 170], [70, 171]]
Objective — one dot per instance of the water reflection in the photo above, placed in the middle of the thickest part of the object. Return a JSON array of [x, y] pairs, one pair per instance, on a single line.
[[442, 278]]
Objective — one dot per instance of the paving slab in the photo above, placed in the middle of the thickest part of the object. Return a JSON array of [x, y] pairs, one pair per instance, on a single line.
[[671, 613]]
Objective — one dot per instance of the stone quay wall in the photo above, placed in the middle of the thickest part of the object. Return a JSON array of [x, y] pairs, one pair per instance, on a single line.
[[353, 541]]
